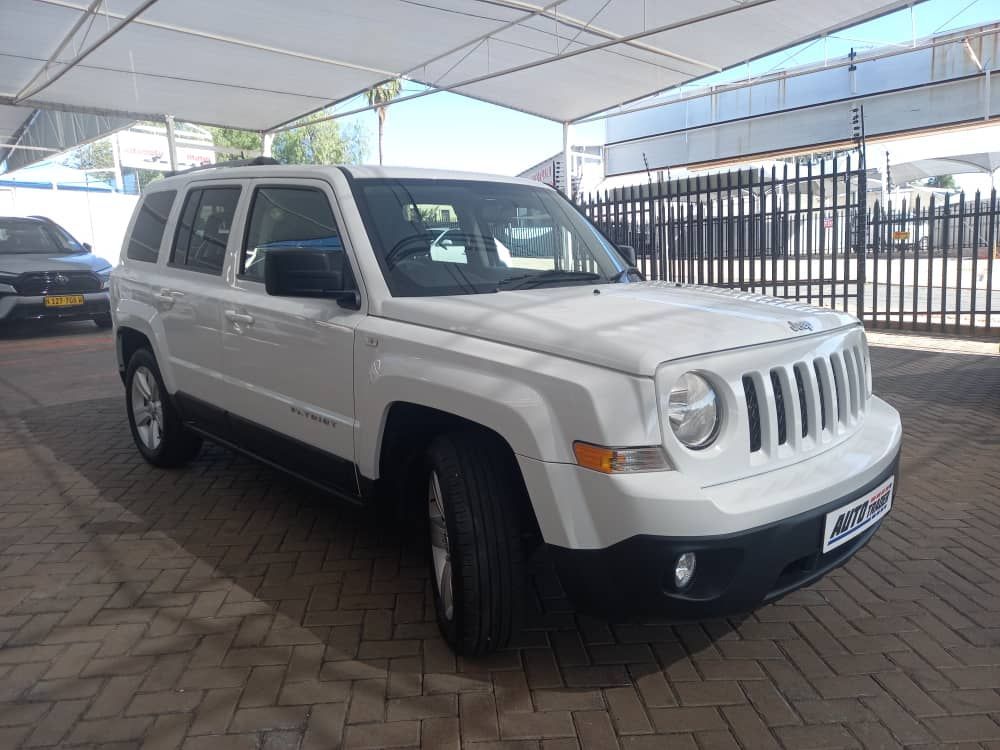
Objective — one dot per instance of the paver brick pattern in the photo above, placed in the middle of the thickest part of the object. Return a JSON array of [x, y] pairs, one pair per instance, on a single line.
[[226, 606]]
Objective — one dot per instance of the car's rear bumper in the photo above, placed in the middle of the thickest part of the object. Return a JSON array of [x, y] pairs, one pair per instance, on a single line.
[[734, 572], [15, 307]]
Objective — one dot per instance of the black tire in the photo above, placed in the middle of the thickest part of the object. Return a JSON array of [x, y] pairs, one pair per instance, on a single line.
[[103, 321], [482, 493], [177, 445]]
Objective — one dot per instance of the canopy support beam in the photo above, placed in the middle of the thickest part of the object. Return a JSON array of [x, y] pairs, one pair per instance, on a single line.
[[472, 44], [579, 25], [746, 5], [89, 12], [567, 185], [83, 55], [171, 142], [229, 40]]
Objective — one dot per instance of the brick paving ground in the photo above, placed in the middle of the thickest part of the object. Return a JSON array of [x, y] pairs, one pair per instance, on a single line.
[[225, 606]]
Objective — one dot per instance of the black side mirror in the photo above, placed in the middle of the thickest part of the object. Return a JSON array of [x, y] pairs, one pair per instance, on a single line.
[[628, 253], [87, 246], [311, 272]]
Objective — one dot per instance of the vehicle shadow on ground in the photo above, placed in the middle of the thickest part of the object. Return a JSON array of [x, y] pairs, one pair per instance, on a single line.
[[43, 329], [310, 572]]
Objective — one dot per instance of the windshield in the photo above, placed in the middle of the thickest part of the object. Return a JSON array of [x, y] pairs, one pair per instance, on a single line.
[[27, 236], [442, 237]]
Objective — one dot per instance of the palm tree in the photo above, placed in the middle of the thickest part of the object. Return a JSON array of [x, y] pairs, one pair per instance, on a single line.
[[378, 97]]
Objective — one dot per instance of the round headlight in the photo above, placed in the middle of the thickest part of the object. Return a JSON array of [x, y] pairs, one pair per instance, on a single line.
[[693, 411]]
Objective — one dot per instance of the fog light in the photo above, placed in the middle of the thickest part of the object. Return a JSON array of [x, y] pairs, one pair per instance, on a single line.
[[684, 570]]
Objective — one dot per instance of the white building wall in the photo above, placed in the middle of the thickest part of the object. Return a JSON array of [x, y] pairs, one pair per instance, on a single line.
[[98, 218]]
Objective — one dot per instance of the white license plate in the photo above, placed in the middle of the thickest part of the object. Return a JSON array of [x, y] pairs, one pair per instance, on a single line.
[[845, 523]]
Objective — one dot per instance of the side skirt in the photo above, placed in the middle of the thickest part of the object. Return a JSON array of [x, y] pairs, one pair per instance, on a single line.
[[305, 462]]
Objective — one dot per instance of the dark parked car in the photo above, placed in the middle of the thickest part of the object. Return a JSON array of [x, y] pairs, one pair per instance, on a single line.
[[46, 273]]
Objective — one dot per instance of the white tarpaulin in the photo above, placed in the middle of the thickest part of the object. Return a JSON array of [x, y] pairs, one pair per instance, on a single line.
[[258, 64], [985, 163]]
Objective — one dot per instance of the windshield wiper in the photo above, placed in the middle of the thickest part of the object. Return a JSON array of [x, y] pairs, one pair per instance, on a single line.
[[546, 277], [626, 275]]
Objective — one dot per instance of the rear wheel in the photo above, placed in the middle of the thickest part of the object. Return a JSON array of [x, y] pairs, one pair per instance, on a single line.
[[473, 493], [156, 427]]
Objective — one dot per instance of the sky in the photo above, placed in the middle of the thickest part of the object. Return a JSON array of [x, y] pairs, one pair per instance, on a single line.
[[449, 131]]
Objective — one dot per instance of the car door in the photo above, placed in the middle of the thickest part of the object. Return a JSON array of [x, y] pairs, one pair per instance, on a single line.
[[289, 362], [189, 295]]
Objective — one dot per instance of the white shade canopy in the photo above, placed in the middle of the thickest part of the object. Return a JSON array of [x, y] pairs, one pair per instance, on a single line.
[[258, 64], [920, 169]]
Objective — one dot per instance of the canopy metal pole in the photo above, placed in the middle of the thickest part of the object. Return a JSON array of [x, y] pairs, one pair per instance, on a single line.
[[116, 157], [91, 9], [266, 143], [567, 164], [171, 142], [23, 95]]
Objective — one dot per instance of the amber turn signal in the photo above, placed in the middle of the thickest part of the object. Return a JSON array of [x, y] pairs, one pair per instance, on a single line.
[[620, 460]]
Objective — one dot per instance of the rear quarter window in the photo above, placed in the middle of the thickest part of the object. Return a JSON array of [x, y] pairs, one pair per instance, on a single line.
[[150, 224]]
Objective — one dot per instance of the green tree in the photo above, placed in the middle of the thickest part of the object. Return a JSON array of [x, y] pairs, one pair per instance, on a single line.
[[945, 181], [312, 143], [378, 97], [145, 176], [246, 141], [96, 155]]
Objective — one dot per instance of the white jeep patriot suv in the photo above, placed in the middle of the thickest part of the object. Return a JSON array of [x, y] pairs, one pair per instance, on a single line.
[[474, 348]]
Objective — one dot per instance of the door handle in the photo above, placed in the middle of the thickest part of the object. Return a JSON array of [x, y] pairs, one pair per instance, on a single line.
[[238, 317], [164, 296]]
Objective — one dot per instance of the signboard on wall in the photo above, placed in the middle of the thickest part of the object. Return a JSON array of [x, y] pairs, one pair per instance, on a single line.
[[149, 151]]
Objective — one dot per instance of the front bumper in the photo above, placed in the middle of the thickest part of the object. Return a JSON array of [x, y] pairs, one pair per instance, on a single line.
[[14, 307], [735, 572]]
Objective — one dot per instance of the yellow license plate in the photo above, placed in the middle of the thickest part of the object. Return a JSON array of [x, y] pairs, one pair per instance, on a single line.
[[64, 300]]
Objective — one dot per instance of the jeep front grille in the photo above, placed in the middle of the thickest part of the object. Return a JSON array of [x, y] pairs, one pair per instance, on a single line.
[[803, 400]]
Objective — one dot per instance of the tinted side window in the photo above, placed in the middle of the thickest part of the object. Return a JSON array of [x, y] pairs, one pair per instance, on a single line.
[[147, 233], [286, 217], [203, 231]]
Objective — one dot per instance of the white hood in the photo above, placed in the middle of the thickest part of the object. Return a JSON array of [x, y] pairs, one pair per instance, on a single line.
[[627, 327]]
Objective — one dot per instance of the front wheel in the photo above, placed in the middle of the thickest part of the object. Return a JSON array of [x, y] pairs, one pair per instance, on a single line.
[[474, 492], [103, 321], [156, 426]]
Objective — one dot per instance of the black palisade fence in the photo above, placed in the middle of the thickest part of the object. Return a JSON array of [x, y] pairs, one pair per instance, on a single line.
[[808, 233]]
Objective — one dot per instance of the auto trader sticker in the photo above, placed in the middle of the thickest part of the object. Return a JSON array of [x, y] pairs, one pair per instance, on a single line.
[[848, 521]]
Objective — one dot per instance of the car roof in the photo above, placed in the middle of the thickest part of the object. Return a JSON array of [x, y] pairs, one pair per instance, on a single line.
[[305, 171], [34, 219]]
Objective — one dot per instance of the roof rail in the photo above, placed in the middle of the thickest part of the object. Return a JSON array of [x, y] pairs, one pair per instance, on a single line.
[[255, 162]]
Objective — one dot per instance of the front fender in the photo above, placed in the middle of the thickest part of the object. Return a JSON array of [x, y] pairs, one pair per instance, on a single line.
[[539, 404]]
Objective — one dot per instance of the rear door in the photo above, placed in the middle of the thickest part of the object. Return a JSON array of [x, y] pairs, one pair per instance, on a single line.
[[290, 361], [191, 285]]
